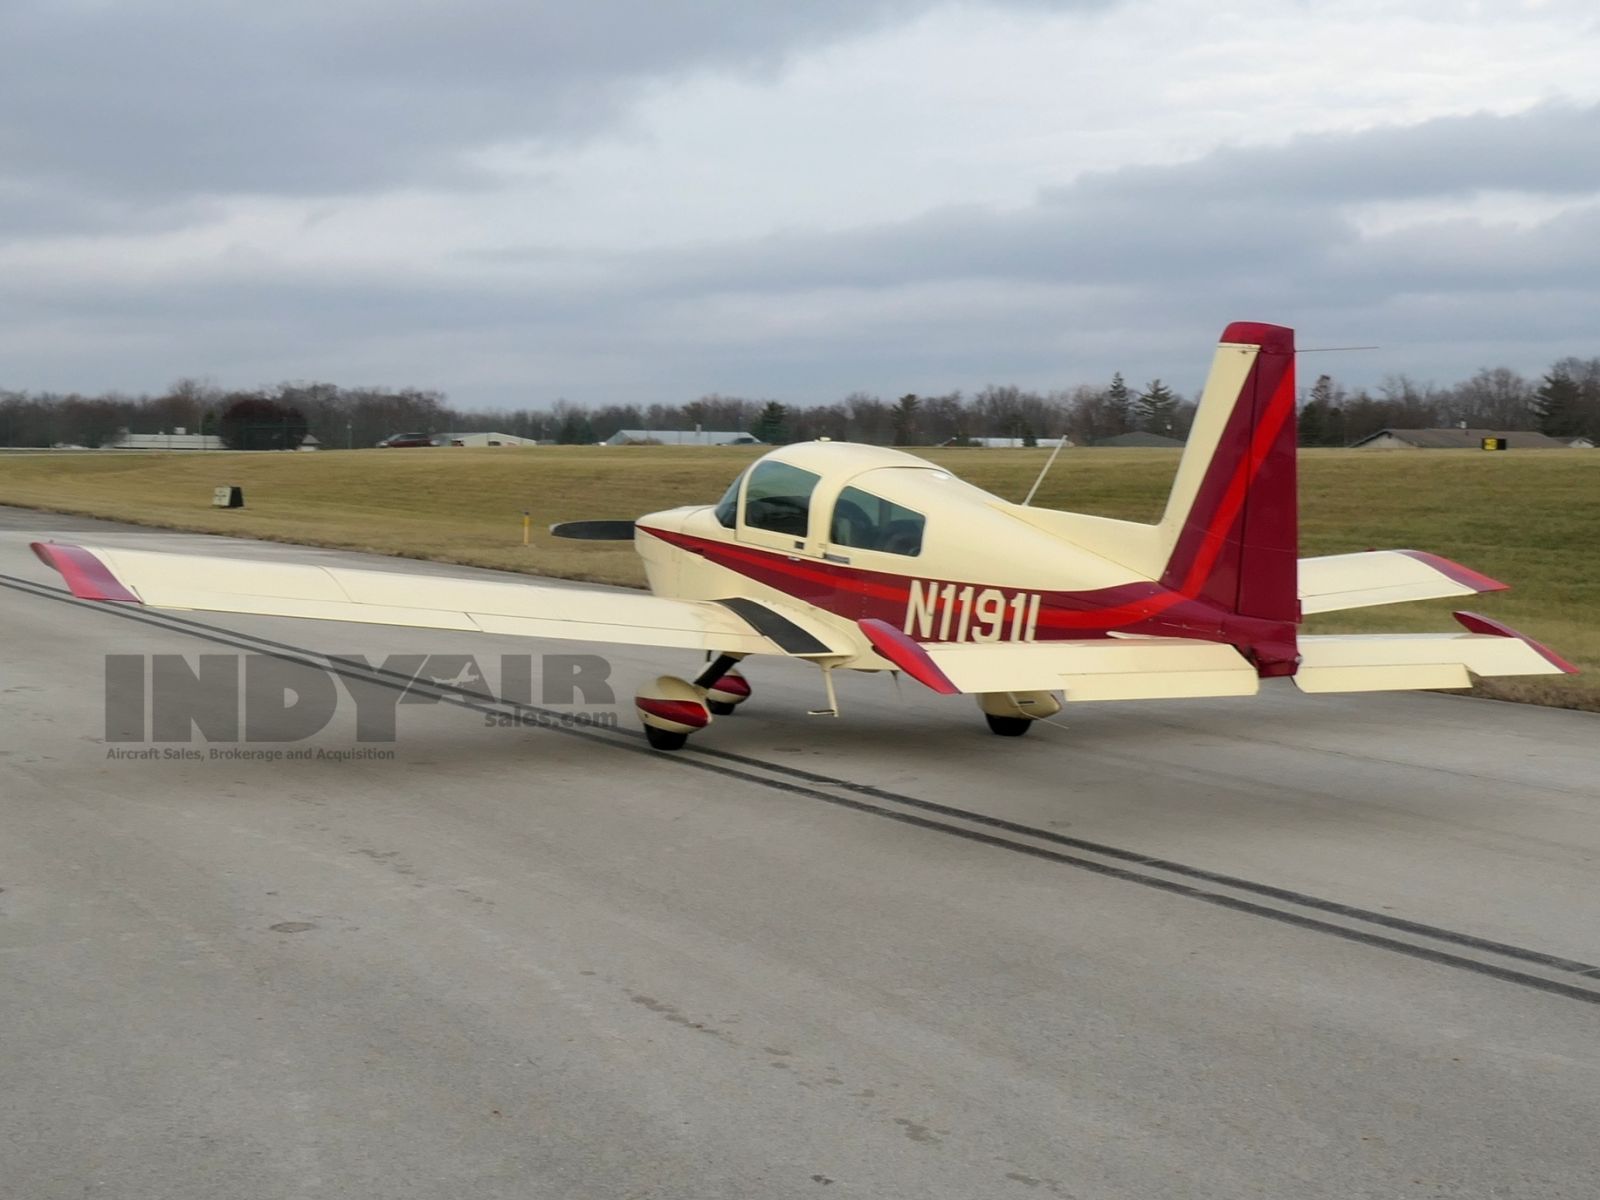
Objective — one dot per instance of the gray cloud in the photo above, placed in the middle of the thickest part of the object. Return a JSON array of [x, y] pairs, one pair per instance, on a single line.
[[135, 120], [107, 108], [1230, 216], [1551, 148]]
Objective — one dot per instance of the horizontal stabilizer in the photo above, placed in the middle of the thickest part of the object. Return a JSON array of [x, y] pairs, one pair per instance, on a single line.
[[1402, 662], [1130, 668], [1341, 581]]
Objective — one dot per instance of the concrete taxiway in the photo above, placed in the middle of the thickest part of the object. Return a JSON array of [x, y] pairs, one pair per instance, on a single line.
[[1285, 946]]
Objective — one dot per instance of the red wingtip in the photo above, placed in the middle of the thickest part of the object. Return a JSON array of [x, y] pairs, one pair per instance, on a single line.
[[87, 577], [1477, 623], [906, 654], [1456, 573]]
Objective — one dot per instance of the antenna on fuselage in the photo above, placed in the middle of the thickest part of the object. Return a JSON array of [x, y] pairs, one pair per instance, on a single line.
[[1045, 470]]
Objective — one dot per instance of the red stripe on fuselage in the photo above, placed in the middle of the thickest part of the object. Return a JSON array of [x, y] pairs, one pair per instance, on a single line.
[[856, 593]]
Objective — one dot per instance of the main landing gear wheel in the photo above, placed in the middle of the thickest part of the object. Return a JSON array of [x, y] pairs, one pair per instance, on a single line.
[[1012, 714], [664, 739], [670, 710], [1008, 726]]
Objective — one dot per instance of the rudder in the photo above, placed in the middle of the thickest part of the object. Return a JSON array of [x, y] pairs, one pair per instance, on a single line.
[[1231, 527]]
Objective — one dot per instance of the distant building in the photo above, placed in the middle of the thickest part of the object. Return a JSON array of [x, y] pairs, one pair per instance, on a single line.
[[1463, 439], [178, 439], [1008, 443], [484, 439], [681, 437], [1140, 440]]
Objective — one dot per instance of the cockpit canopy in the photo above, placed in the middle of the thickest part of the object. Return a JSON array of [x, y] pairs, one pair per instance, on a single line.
[[870, 522], [778, 499]]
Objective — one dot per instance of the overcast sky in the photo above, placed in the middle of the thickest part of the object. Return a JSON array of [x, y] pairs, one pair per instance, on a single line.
[[643, 200]]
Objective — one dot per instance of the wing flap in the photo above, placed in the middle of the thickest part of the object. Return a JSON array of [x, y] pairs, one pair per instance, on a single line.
[[1340, 581], [278, 589]]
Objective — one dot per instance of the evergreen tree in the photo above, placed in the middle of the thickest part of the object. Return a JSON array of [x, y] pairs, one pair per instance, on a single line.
[[1559, 403], [1316, 416], [1155, 408], [253, 422], [1119, 406], [576, 428], [772, 426], [905, 420]]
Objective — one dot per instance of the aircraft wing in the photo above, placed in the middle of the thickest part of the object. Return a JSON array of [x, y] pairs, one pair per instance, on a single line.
[[276, 589], [1118, 668], [1340, 581]]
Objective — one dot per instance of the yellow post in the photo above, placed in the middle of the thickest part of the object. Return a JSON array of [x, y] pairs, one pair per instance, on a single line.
[[527, 525]]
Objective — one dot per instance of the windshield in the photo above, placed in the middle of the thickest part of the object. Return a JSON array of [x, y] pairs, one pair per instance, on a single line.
[[727, 510], [778, 498]]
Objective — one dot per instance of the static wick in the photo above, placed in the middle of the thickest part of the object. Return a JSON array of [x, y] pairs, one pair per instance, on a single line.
[[1330, 349]]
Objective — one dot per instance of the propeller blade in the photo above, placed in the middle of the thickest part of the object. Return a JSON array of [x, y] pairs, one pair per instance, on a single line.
[[594, 531]]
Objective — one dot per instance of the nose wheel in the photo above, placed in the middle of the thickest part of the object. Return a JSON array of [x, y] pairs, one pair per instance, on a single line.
[[725, 687], [727, 692]]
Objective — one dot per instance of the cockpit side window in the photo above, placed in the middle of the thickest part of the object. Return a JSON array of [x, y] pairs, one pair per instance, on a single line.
[[727, 510], [870, 522], [778, 498]]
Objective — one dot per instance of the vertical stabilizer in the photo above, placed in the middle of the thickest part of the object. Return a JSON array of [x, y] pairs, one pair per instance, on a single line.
[[1231, 526]]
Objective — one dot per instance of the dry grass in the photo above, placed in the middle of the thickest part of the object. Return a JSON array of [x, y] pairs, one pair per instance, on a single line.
[[1532, 519]]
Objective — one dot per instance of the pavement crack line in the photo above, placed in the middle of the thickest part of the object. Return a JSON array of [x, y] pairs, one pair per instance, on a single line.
[[1302, 911]]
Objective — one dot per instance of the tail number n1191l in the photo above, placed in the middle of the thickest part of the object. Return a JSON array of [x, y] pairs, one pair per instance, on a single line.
[[953, 612]]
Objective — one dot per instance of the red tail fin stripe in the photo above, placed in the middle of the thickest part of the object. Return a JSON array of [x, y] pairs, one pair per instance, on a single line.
[[1238, 487]]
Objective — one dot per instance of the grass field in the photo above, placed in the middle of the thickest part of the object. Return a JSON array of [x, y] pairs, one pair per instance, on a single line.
[[1531, 519]]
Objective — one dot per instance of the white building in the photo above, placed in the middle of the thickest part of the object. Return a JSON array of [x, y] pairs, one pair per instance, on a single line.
[[178, 439], [1009, 443], [484, 439], [1458, 438], [681, 437]]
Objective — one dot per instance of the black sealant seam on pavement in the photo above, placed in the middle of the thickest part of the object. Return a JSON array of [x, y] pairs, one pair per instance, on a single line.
[[488, 704]]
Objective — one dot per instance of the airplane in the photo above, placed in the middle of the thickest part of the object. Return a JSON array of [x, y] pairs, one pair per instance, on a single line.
[[866, 558]]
